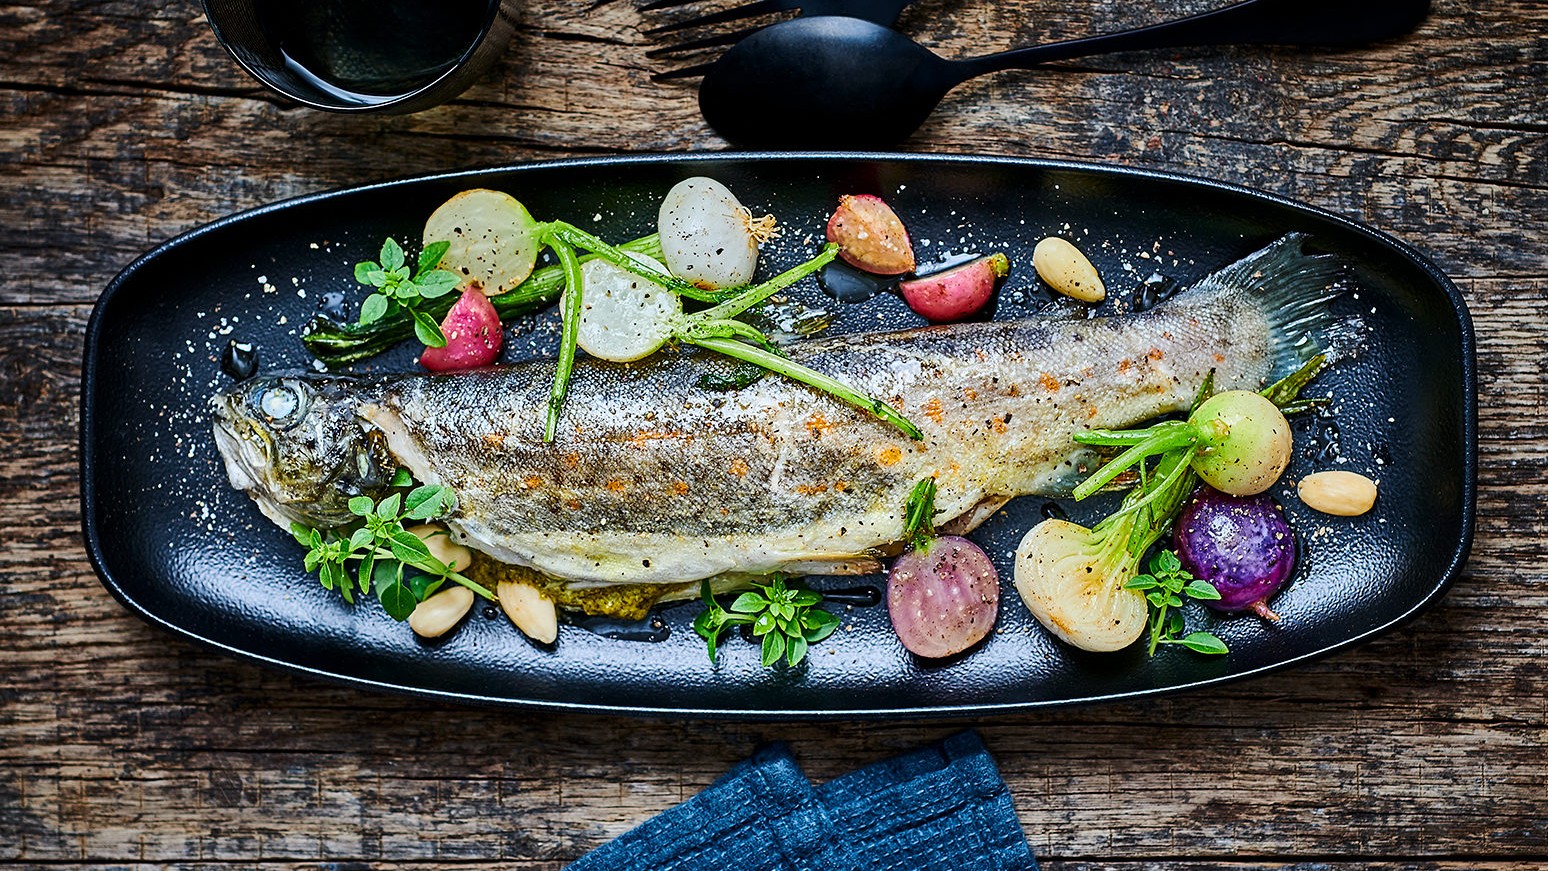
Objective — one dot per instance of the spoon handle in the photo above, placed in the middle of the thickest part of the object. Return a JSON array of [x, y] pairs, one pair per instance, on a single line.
[[1254, 22]]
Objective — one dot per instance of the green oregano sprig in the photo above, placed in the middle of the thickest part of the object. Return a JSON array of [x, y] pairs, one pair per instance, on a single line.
[[398, 287], [785, 618], [1166, 587], [388, 558]]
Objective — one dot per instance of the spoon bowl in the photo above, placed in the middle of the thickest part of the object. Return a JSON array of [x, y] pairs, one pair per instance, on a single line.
[[831, 80]]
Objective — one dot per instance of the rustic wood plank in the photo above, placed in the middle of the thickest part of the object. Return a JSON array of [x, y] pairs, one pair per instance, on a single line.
[[123, 123]]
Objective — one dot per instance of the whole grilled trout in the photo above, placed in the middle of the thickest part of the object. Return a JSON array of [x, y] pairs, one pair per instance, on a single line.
[[655, 480]]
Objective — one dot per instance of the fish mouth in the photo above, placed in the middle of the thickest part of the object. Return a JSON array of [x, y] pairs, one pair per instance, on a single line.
[[249, 454]]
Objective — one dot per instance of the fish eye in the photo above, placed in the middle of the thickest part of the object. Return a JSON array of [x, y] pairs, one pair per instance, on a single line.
[[280, 403]]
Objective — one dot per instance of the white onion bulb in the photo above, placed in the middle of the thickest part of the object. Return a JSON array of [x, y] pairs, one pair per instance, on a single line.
[[706, 235]]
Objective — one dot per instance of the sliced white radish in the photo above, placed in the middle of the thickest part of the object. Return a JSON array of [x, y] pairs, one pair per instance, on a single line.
[[707, 236], [494, 239], [623, 316]]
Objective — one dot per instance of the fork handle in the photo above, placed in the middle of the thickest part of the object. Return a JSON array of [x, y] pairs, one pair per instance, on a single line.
[[1254, 22], [883, 12]]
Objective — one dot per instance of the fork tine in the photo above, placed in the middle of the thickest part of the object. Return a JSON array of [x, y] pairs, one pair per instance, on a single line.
[[684, 73], [664, 4], [735, 13], [706, 42]]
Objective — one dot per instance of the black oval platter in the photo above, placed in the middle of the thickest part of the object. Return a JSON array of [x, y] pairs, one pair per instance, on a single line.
[[179, 547]]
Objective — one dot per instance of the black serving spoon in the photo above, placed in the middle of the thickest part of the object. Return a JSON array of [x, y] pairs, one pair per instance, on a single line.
[[836, 82]]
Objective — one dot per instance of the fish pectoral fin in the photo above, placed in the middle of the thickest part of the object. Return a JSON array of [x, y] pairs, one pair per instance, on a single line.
[[970, 519], [400, 444]]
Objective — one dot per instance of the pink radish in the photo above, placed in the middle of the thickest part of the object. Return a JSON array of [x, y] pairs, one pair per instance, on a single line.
[[472, 330], [943, 594], [956, 293]]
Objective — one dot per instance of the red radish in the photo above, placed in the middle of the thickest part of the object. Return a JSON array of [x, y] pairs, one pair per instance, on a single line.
[[870, 236], [956, 293], [472, 330]]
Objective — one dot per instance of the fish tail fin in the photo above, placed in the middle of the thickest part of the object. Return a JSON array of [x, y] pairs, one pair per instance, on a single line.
[[1295, 292]]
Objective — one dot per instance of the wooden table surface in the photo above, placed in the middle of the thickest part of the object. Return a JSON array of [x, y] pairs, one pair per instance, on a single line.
[[124, 124]]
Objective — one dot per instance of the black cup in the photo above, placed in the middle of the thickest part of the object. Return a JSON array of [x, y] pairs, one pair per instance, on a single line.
[[379, 56]]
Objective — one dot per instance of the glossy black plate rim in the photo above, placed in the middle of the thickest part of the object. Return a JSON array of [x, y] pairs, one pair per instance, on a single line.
[[1448, 577]]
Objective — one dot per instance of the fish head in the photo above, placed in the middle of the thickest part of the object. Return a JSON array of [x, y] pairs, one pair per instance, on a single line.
[[294, 444]]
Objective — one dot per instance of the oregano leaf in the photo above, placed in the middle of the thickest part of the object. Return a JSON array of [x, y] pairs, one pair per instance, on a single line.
[[373, 309], [392, 254], [1203, 642], [397, 600], [1202, 590], [430, 256], [428, 331]]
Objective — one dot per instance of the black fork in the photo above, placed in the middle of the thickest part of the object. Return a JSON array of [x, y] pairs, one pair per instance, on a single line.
[[883, 12]]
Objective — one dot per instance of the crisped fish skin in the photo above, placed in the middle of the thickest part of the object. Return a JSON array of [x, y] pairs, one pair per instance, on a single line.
[[654, 480]]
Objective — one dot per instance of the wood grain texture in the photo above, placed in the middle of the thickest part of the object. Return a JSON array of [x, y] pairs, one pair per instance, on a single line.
[[1052, 865], [122, 123]]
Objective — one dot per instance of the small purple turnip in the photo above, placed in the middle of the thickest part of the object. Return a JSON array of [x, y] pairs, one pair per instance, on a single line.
[[1240, 544]]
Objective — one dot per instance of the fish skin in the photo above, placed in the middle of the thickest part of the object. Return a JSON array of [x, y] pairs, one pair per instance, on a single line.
[[652, 479]]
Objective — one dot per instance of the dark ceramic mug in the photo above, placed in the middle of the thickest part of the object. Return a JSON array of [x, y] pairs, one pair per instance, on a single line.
[[380, 56]]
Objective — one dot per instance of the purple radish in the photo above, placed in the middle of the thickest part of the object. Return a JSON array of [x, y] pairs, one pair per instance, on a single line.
[[943, 596], [1240, 544]]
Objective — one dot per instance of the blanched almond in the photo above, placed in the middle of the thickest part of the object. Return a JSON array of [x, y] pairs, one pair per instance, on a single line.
[[436, 615], [1067, 270], [1344, 494], [441, 546], [533, 614]]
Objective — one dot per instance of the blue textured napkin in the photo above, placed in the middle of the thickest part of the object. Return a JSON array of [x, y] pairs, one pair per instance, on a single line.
[[942, 807]]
